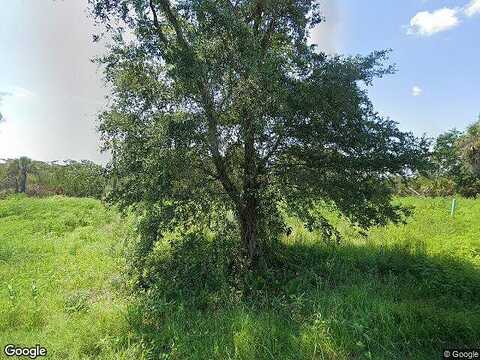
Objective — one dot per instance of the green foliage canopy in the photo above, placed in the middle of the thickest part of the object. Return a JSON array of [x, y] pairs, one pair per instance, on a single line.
[[223, 105], [469, 145], [456, 160]]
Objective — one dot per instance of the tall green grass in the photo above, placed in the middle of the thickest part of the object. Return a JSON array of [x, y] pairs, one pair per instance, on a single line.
[[59, 271], [402, 292]]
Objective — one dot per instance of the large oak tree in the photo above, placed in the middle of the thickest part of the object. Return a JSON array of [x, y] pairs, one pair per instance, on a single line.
[[223, 105]]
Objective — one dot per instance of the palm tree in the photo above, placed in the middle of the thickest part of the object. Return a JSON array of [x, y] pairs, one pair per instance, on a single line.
[[18, 171], [13, 172], [469, 146], [26, 167]]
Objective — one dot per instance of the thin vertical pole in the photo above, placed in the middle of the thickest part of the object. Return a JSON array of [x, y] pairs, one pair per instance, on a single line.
[[454, 206]]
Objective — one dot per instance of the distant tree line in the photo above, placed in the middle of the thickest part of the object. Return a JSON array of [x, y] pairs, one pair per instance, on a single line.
[[454, 159], [455, 166], [71, 178]]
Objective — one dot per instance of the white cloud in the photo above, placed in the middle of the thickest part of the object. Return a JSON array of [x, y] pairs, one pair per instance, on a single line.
[[473, 8], [326, 35], [22, 92], [417, 91], [16, 92], [427, 23], [4, 94]]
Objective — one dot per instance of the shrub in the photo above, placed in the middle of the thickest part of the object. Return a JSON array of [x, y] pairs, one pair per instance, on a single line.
[[196, 268]]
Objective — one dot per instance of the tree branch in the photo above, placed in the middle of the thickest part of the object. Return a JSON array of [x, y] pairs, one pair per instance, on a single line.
[[172, 19], [268, 34], [260, 6], [156, 23], [208, 105], [213, 140], [264, 161]]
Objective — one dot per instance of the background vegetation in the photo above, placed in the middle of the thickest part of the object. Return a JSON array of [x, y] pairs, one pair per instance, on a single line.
[[453, 170], [71, 178], [455, 166]]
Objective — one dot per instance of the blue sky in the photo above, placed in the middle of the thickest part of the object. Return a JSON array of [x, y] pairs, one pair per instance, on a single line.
[[443, 61], [50, 92]]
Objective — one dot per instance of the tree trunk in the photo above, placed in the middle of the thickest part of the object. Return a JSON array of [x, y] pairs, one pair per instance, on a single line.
[[248, 228], [249, 210], [475, 161], [23, 181]]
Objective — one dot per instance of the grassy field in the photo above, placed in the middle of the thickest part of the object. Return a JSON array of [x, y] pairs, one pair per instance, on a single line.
[[59, 261], [404, 292]]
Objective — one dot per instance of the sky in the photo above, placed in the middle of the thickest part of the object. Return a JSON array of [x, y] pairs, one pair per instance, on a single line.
[[51, 93]]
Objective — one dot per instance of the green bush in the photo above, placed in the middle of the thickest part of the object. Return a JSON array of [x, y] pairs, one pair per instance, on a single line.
[[194, 268], [466, 186]]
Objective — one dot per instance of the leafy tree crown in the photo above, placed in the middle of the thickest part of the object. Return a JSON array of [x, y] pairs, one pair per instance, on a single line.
[[216, 105]]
